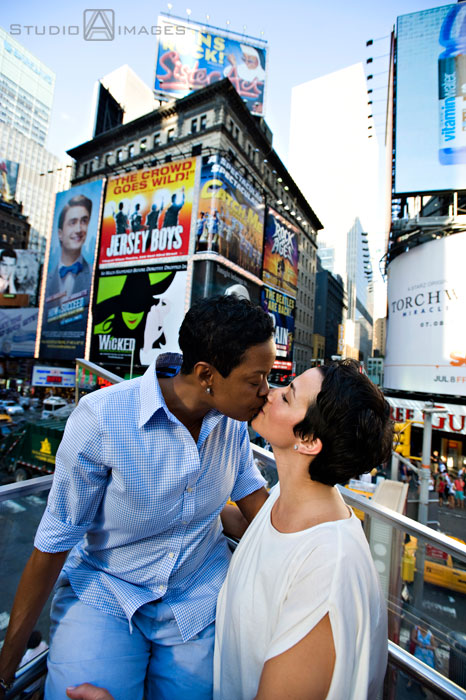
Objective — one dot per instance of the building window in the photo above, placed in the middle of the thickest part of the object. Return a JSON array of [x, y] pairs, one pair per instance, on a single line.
[[236, 133], [107, 158], [157, 139], [193, 126], [170, 135], [168, 158], [85, 169], [131, 150], [196, 150], [230, 125], [143, 145], [119, 155], [203, 122]]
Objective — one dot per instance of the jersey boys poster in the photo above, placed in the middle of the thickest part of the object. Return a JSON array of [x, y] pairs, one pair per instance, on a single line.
[[137, 313], [230, 218], [280, 253], [147, 214]]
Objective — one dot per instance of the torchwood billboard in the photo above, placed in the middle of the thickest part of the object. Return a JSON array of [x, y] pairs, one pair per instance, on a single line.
[[426, 333]]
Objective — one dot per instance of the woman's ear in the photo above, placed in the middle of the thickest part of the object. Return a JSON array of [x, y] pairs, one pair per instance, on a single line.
[[310, 446], [203, 373]]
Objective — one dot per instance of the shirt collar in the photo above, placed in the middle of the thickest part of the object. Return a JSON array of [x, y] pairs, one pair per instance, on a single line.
[[62, 264], [152, 400]]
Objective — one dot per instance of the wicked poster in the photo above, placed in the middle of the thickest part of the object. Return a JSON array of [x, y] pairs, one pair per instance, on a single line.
[[137, 313]]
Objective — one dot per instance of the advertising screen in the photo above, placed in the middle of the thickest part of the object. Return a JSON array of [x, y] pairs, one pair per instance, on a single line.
[[18, 329], [53, 376], [426, 333], [282, 309], [8, 179], [230, 217], [19, 274], [431, 100], [69, 271], [137, 313], [280, 268], [147, 214], [211, 278], [191, 56]]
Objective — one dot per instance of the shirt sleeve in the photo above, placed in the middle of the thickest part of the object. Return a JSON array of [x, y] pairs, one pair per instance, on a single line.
[[79, 483], [306, 601], [249, 478]]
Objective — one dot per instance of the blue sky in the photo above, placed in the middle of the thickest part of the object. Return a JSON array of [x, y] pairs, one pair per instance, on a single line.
[[306, 40]]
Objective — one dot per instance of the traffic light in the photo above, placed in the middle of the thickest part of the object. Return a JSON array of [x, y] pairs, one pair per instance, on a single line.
[[402, 439]]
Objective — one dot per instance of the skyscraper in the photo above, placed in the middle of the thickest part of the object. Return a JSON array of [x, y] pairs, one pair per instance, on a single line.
[[336, 166], [26, 90]]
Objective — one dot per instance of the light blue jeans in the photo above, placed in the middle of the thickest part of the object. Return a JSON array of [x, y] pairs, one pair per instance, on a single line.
[[90, 646]]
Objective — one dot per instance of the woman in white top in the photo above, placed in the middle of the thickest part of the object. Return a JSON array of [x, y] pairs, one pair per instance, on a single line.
[[301, 614]]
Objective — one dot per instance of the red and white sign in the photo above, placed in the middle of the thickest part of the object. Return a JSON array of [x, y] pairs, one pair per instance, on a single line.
[[436, 553], [454, 421]]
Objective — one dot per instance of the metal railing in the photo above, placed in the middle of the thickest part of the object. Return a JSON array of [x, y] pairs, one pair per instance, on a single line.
[[398, 657]]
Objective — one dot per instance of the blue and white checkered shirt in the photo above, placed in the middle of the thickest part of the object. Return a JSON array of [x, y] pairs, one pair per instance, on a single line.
[[139, 501]]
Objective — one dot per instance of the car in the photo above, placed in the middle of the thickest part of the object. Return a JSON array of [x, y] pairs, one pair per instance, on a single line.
[[439, 568], [11, 407], [52, 404]]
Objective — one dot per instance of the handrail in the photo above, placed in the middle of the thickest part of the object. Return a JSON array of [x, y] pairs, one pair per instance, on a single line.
[[388, 516], [429, 678], [27, 674], [25, 488]]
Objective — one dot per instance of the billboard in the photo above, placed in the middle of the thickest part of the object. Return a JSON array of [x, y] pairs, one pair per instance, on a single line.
[[230, 217], [281, 307], [8, 179], [191, 56], [426, 333], [280, 267], [431, 100], [211, 278], [69, 272], [109, 113], [137, 313], [18, 329], [147, 214], [53, 376], [19, 274]]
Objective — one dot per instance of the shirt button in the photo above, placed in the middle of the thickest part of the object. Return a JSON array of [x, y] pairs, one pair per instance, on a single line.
[[184, 522], [161, 588], [189, 489], [171, 555]]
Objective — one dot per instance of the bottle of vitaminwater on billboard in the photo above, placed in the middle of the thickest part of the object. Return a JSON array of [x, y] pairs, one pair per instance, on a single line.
[[452, 86]]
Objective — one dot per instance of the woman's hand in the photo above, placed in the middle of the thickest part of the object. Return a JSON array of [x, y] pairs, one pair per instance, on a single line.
[[86, 691]]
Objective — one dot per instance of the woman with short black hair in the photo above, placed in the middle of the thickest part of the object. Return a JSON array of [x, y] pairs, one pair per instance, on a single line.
[[301, 613]]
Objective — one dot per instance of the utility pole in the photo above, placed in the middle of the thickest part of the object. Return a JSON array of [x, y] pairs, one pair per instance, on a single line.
[[423, 509]]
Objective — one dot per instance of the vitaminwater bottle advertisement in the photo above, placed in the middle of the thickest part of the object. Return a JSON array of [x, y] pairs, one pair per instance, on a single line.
[[431, 100]]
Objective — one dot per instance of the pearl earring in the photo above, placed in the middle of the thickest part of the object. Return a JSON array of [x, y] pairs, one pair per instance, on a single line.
[[208, 390], [295, 447]]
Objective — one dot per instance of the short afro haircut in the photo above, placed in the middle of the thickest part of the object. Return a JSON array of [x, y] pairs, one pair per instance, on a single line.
[[219, 330]]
